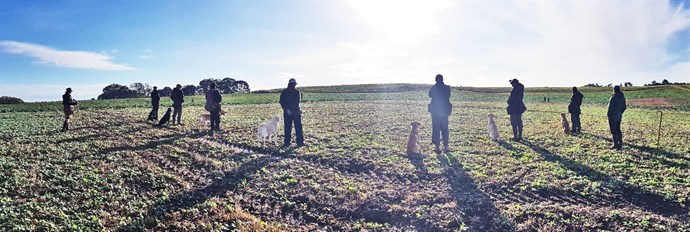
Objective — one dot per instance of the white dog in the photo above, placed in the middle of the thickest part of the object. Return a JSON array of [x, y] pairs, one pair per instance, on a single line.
[[493, 129], [413, 141], [206, 118], [269, 130]]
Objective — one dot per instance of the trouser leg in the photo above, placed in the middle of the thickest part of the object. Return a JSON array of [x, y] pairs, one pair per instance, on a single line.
[[444, 130], [216, 116], [287, 127], [576, 122], [298, 130], [519, 118], [179, 115], [435, 130], [514, 125]]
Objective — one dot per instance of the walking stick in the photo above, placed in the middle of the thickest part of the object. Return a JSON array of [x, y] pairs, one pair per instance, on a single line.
[[658, 136]]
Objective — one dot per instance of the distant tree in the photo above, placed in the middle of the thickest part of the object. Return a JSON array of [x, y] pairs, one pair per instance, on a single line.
[[593, 85], [241, 87], [628, 84], [10, 100], [664, 82], [609, 85], [165, 92], [189, 90], [226, 85], [116, 91], [205, 83], [142, 89]]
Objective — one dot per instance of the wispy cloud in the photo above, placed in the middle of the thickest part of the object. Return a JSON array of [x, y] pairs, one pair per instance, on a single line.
[[63, 58], [147, 54]]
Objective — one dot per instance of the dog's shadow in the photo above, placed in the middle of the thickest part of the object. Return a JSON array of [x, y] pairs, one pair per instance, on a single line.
[[417, 160]]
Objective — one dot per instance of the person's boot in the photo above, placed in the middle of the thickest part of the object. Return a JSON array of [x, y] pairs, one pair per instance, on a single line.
[[446, 149], [615, 142], [619, 144], [438, 148], [519, 133], [515, 133], [64, 126]]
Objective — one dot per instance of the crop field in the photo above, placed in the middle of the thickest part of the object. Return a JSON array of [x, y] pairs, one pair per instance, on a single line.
[[115, 172]]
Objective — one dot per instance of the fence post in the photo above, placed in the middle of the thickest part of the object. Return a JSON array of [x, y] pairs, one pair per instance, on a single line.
[[658, 136]]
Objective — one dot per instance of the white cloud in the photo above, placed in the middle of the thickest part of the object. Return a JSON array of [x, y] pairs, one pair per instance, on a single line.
[[147, 54], [486, 43], [49, 92], [63, 58]]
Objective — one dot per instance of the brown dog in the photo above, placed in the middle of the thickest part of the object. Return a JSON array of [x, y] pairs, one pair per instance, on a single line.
[[566, 126], [413, 141]]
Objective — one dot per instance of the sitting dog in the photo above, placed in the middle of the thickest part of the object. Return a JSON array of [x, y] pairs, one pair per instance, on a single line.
[[566, 126], [413, 141], [166, 118], [269, 130], [493, 129]]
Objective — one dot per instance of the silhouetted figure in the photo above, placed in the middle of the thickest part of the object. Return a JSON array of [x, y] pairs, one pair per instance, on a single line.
[[289, 101], [516, 107], [178, 98], [213, 99], [615, 114], [68, 107], [440, 108], [165, 118], [574, 110], [155, 102]]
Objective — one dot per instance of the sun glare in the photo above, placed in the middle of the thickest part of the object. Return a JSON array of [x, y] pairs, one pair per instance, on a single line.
[[401, 19]]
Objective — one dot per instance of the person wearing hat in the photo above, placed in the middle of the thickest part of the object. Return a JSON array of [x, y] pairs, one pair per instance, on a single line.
[[213, 99], [178, 98], [574, 110], [68, 107], [289, 101], [440, 108], [615, 115], [155, 102], [516, 107]]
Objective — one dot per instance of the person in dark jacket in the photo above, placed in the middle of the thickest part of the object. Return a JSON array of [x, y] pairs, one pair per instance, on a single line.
[[516, 107], [615, 115], [155, 102], [213, 99], [178, 98], [440, 108], [574, 110], [68, 107], [289, 101]]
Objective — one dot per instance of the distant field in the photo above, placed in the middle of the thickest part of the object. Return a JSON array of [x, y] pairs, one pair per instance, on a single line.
[[114, 171], [662, 97]]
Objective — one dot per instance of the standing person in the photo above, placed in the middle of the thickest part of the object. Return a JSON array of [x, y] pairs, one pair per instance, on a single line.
[[440, 108], [289, 101], [574, 110], [516, 107], [178, 98], [155, 102], [213, 100], [615, 115], [68, 107]]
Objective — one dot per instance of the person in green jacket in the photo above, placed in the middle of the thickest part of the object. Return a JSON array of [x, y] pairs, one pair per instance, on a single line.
[[615, 115]]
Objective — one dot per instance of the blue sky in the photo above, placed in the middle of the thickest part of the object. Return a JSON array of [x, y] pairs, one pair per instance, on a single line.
[[46, 46]]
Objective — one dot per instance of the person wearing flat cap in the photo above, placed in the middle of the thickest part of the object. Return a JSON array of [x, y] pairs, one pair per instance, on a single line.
[[615, 115], [516, 107], [289, 101]]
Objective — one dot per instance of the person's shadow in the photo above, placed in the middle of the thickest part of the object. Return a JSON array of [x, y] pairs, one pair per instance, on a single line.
[[626, 192], [478, 210]]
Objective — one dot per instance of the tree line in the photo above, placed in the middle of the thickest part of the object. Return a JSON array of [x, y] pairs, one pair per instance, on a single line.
[[225, 86]]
